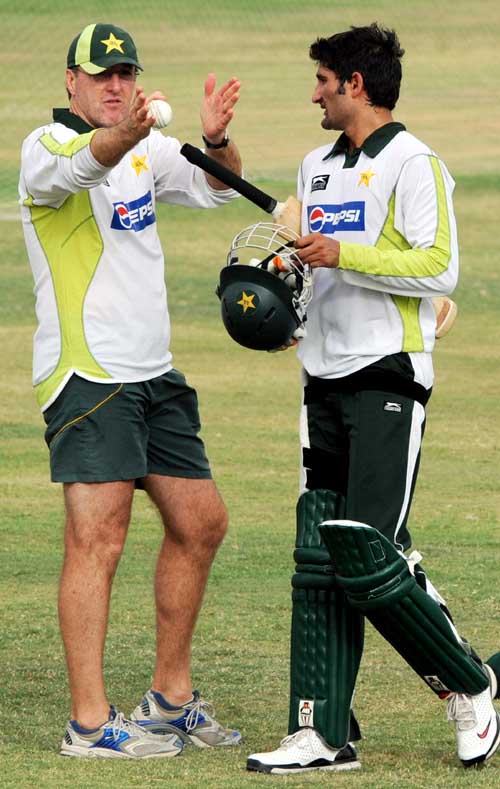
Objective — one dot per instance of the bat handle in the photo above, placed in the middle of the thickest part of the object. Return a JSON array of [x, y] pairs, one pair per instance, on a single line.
[[222, 173]]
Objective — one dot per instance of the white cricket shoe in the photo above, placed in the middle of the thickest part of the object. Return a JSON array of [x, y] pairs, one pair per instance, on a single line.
[[477, 724], [302, 752]]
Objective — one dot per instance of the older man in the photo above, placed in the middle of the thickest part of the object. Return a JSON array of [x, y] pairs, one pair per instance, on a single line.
[[118, 414]]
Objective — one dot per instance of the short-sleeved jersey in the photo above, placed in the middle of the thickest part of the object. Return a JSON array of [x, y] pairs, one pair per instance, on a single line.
[[390, 207], [97, 262]]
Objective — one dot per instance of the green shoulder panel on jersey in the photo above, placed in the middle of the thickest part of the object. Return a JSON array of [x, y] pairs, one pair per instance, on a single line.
[[392, 256], [72, 245], [68, 148]]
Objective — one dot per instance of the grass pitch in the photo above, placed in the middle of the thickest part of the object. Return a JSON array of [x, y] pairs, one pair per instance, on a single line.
[[249, 403]]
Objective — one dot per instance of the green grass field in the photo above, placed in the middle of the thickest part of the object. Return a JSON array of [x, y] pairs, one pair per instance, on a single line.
[[249, 401]]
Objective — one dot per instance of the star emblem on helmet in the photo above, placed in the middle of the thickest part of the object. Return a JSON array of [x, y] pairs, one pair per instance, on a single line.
[[246, 301], [113, 43]]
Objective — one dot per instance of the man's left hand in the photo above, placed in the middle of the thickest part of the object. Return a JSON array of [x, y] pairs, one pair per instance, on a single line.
[[217, 108], [318, 250]]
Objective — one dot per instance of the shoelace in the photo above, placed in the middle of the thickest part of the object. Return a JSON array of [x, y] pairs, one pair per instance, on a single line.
[[296, 739], [195, 712], [461, 710], [120, 723]]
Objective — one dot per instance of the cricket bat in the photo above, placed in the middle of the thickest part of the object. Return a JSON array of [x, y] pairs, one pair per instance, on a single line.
[[289, 213]]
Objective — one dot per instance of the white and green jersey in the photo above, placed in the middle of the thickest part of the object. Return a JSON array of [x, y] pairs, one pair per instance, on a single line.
[[389, 205], [97, 261]]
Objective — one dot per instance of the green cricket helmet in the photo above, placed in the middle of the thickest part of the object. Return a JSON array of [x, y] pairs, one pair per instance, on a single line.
[[264, 289]]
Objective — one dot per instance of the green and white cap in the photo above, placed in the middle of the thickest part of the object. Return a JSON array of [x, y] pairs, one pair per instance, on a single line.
[[100, 46]]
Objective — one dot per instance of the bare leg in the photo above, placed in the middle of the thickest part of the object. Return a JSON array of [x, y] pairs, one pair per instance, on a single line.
[[97, 517], [195, 522]]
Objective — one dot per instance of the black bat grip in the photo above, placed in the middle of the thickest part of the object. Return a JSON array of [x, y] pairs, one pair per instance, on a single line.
[[244, 188]]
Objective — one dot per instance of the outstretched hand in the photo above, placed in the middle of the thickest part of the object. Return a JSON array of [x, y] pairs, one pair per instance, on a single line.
[[138, 122], [217, 108], [109, 144]]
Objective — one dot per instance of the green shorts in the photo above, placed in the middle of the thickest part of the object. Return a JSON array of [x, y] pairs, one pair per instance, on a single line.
[[107, 432]]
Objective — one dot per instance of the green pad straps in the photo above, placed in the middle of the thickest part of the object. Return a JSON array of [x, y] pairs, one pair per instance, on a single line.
[[327, 635], [378, 581]]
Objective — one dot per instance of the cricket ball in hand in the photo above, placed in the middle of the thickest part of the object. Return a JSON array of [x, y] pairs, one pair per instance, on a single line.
[[161, 111]]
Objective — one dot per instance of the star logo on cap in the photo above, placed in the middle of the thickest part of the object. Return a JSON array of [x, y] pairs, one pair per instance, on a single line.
[[365, 178], [113, 43], [246, 301], [139, 163]]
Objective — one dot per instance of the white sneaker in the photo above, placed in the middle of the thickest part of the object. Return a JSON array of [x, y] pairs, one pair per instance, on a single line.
[[477, 724], [302, 752]]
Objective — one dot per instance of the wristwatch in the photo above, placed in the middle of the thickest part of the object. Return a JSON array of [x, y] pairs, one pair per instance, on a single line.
[[215, 146]]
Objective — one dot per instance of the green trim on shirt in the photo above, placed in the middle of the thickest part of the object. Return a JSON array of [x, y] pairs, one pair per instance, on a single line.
[[374, 143], [69, 148], [67, 118], [72, 245], [408, 308], [396, 258], [392, 256]]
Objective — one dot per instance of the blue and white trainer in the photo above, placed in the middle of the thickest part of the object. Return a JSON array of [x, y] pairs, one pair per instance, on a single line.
[[117, 738], [193, 721]]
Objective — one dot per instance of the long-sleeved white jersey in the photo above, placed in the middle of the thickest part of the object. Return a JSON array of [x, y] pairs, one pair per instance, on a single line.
[[97, 261], [390, 207]]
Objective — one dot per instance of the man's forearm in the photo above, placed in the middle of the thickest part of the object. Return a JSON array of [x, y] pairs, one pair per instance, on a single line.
[[109, 145], [230, 158]]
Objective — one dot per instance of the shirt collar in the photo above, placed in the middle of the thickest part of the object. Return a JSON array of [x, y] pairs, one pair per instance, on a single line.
[[373, 144], [72, 121]]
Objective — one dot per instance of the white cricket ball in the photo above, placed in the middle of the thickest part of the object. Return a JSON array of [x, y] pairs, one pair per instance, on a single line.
[[161, 111]]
